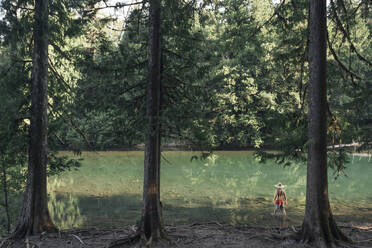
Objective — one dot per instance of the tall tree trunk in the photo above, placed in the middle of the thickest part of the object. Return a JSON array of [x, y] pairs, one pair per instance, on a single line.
[[319, 225], [5, 189], [34, 217], [152, 223]]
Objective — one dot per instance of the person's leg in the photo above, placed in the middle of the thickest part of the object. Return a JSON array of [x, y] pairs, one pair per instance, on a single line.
[[283, 210], [276, 208]]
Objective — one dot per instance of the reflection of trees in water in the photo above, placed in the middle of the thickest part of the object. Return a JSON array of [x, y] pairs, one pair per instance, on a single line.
[[64, 208]]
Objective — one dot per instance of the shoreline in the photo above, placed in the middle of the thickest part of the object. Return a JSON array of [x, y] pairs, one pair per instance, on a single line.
[[176, 149]]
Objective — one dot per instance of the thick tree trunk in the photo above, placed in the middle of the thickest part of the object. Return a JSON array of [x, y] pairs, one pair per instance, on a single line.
[[152, 223], [318, 226], [5, 190], [34, 217]]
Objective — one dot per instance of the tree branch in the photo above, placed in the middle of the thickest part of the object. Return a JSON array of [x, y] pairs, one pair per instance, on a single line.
[[73, 125], [116, 6], [59, 50], [132, 87], [60, 140], [61, 79], [338, 21], [343, 67], [276, 12]]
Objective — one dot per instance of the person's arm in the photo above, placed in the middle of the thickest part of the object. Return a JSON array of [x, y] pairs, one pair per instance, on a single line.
[[276, 193], [285, 196]]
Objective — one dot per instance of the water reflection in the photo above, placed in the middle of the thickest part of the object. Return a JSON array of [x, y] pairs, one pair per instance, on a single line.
[[228, 187], [69, 211], [64, 210]]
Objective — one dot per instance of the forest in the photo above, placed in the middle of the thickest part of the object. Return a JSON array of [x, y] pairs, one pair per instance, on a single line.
[[104, 101]]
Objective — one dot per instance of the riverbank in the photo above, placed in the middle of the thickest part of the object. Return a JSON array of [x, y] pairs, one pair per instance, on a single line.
[[194, 235]]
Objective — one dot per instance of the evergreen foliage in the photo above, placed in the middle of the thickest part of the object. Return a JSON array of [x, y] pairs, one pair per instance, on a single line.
[[234, 75]]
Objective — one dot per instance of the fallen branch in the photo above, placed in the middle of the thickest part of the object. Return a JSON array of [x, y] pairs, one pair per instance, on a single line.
[[116, 6], [78, 238], [345, 145]]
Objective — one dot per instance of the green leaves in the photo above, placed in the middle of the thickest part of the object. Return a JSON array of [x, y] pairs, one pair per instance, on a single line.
[[337, 159], [59, 164]]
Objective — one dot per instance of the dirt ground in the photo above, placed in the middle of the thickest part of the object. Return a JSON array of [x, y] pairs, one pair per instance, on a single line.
[[193, 235]]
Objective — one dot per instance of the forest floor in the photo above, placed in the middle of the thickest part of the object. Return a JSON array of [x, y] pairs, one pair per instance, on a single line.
[[193, 235]]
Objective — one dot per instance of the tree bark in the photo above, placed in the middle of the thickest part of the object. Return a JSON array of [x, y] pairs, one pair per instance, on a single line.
[[5, 189], [319, 226], [34, 217], [151, 226]]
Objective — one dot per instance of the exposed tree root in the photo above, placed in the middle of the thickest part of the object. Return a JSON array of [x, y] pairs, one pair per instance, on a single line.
[[6, 243], [137, 237], [31, 244], [364, 241], [323, 243], [324, 233], [125, 241], [294, 229], [27, 230], [184, 236]]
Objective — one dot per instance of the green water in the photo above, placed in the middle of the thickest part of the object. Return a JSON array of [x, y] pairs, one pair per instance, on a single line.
[[229, 187]]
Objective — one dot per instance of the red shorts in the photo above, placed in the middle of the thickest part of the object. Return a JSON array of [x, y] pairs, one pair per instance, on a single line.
[[279, 202]]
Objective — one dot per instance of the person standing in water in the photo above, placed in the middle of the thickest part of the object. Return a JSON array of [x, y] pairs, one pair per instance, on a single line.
[[280, 199]]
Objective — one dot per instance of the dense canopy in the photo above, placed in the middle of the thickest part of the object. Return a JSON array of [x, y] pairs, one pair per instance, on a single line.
[[198, 75]]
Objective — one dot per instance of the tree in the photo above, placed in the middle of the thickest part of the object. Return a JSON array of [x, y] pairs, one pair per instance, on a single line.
[[34, 217], [319, 225], [152, 220], [151, 227]]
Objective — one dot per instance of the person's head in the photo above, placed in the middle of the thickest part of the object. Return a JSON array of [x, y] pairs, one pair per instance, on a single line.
[[279, 186]]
